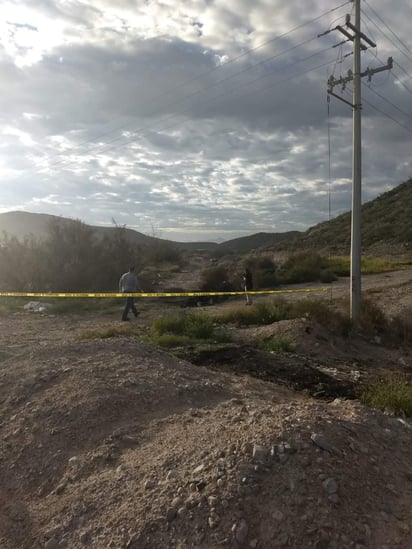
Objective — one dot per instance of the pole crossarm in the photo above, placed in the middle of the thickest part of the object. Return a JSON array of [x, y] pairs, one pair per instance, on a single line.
[[343, 80], [359, 33]]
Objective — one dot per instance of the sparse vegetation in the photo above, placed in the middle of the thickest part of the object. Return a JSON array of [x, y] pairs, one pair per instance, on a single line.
[[276, 345], [107, 332], [280, 309], [186, 327], [393, 395]]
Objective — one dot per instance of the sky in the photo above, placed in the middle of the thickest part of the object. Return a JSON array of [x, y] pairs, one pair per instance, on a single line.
[[197, 120]]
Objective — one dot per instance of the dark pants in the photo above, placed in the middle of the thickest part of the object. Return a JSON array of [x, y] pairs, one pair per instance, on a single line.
[[129, 306]]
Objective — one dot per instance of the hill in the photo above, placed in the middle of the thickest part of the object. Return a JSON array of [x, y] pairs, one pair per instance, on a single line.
[[386, 226], [23, 224]]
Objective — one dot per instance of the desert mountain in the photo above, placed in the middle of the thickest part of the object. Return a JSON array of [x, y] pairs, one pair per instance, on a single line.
[[23, 224], [386, 226]]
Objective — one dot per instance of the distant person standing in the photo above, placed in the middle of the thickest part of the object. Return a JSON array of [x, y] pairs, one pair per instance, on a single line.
[[247, 280], [128, 283]]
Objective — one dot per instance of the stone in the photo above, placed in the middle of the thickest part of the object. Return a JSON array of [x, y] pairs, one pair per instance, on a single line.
[[171, 514], [240, 531], [177, 502], [172, 474], [330, 486], [182, 512], [260, 453], [52, 543], [84, 538], [149, 484], [323, 443], [198, 469], [212, 501], [278, 515], [213, 520], [247, 449]]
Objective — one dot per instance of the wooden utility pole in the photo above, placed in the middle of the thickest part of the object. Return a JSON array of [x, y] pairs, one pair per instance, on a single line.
[[355, 75]]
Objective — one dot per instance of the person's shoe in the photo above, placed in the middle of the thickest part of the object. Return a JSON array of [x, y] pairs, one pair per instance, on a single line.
[[126, 319]]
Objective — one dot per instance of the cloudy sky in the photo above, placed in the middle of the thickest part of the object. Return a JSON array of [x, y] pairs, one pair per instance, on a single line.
[[196, 119]]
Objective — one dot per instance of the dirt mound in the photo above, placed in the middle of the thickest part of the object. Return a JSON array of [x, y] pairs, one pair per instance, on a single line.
[[110, 443]]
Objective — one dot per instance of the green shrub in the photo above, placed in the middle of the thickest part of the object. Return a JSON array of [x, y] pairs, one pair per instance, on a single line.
[[390, 395], [276, 345], [326, 276], [266, 279], [400, 327], [257, 314], [189, 326], [372, 319], [214, 279], [169, 323], [339, 265], [301, 267]]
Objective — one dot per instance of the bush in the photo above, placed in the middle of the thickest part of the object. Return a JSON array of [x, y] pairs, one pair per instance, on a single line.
[[390, 395], [191, 326], [372, 319], [276, 345], [266, 279], [259, 314], [302, 267], [326, 276], [400, 327]]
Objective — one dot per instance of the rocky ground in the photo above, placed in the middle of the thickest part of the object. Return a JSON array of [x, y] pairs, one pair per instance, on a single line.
[[112, 443]]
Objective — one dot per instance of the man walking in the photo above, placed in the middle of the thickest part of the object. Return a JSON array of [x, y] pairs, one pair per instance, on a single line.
[[128, 283]]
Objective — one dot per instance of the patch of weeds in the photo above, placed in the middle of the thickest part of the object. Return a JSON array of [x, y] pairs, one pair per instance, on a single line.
[[323, 313], [400, 327], [340, 265], [170, 340], [108, 332], [390, 395], [258, 314], [372, 265], [185, 328], [276, 345], [372, 319]]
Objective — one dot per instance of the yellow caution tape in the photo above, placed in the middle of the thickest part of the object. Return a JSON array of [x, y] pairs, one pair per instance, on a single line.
[[154, 294]]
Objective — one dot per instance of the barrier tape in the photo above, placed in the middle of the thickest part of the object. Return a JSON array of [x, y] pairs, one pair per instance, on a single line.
[[155, 294]]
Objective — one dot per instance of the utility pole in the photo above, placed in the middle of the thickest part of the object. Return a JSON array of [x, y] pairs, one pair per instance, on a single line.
[[355, 75]]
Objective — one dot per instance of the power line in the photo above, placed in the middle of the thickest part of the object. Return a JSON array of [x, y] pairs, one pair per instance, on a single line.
[[225, 64], [106, 150], [388, 27], [403, 70], [384, 33], [205, 104], [97, 147], [387, 101], [387, 115]]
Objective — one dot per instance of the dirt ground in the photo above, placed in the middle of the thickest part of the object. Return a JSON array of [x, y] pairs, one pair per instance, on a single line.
[[110, 443]]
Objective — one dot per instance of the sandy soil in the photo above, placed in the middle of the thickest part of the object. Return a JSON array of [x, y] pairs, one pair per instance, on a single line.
[[112, 443]]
